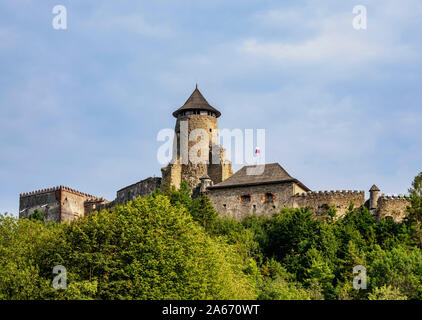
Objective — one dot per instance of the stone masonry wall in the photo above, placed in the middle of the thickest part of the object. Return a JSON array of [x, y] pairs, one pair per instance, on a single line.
[[392, 206], [72, 204], [57, 204], [171, 176], [176, 172], [97, 204], [318, 201], [228, 201], [141, 188], [46, 200]]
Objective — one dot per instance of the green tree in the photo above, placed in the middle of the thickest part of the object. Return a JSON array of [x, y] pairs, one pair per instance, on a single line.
[[386, 293], [416, 197], [203, 211], [28, 252], [399, 267], [37, 215], [277, 284], [149, 249], [181, 196]]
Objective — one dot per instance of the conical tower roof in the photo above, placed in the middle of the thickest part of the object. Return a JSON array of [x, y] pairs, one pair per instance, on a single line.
[[374, 188], [196, 102]]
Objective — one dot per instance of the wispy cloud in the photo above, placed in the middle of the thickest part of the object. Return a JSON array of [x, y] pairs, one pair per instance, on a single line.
[[325, 36], [107, 20]]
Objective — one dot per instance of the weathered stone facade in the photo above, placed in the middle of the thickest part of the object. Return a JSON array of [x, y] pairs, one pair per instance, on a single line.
[[320, 201], [58, 204], [141, 188], [63, 204], [236, 196], [394, 207], [240, 202]]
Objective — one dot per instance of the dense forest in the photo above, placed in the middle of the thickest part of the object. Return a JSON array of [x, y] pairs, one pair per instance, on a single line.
[[170, 246]]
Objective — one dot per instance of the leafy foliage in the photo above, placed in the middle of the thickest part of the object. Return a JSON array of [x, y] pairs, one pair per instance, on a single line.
[[36, 215], [172, 246], [147, 249]]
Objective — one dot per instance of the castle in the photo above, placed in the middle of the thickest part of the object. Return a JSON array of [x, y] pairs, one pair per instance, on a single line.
[[234, 195]]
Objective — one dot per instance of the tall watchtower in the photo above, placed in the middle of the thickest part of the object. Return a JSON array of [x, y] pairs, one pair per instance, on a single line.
[[196, 151]]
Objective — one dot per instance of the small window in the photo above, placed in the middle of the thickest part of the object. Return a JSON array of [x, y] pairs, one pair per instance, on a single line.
[[210, 130], [245, 198], [254, 206], [269, 197], [224, 206]]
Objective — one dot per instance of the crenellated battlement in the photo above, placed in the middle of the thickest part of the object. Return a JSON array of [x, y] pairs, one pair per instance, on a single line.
[[394, 206], [330, 193], [319, 201], [395, 197], [36, 192], [56, 188]]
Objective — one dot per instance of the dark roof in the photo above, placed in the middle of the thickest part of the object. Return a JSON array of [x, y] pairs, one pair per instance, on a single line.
[[273, 174], [196, 102], [374, 188]]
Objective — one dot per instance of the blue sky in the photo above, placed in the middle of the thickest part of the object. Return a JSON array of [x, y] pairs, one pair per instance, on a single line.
[[82, 107]]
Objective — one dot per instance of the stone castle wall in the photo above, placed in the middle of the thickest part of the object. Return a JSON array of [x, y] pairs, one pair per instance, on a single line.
[[72, 204], [264, 199], [392, 206], [47, 201], [97, 204], [171, 176], [228, 201], [141, 188], [320, 201], [57, 204]]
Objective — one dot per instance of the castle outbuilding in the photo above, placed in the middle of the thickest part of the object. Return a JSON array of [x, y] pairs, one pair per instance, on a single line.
[[200, 160]]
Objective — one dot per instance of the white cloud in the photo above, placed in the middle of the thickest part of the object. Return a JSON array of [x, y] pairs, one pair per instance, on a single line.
[[329, 38], [327, 47], [132, 23], [137, 24]]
